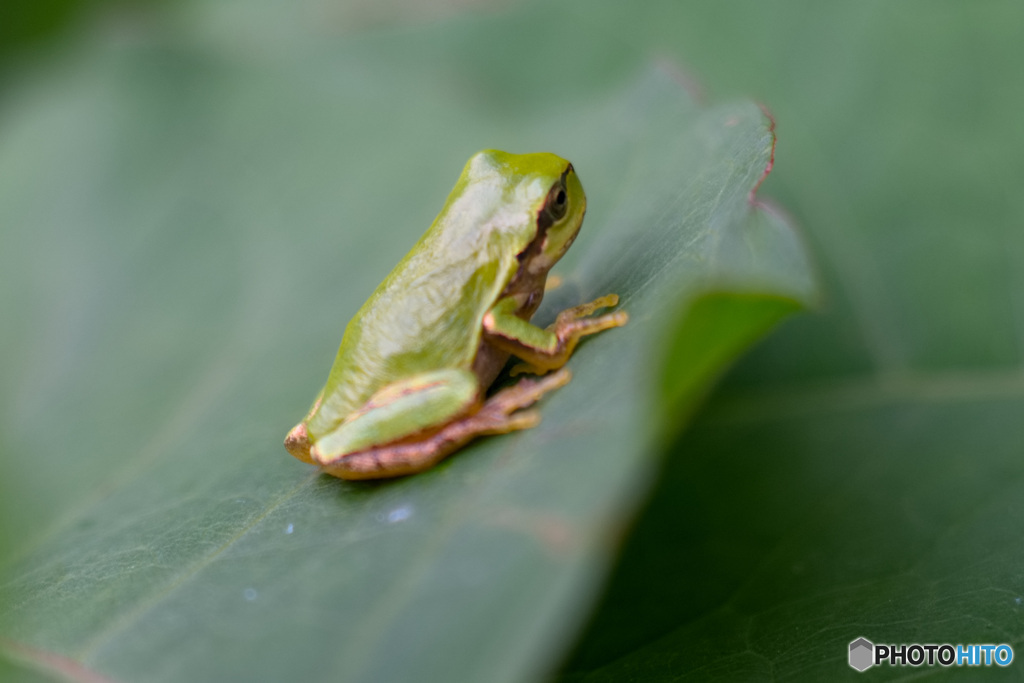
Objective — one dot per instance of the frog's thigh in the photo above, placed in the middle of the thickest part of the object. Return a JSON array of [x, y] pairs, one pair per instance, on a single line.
[[400, 409], [500, 414]]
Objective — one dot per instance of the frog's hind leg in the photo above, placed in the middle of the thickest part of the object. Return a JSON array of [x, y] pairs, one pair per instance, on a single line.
[[500, 414], [403, 409]]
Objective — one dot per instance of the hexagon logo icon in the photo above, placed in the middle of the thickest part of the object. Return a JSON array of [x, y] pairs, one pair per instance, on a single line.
[[862, 654]]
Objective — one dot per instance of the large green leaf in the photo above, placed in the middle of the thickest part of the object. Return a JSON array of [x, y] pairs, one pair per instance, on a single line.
[[862, 472], [189, 222]]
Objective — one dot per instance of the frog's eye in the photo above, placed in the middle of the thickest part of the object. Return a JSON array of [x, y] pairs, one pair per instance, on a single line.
[[558, 202]]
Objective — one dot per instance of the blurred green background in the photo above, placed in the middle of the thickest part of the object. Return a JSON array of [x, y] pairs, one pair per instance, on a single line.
[[860, 472]]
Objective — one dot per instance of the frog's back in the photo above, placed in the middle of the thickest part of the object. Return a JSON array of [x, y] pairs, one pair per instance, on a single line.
[[428, 313]]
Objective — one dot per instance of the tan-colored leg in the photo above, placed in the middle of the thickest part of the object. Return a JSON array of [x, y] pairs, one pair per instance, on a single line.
[[500, 414], [570, 326]]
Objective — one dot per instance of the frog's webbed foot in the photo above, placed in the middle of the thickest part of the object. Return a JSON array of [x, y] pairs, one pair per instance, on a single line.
[[500, 414], [569, 327]]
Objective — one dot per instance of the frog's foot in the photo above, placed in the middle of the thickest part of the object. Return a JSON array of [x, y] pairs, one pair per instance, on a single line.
[[502, 413], [571, 326], [499, 412]]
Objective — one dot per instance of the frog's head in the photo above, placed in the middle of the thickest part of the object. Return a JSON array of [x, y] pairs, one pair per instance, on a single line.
[[545, 189]]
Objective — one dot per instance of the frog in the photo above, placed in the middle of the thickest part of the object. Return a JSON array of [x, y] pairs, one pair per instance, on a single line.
[[409, 385]]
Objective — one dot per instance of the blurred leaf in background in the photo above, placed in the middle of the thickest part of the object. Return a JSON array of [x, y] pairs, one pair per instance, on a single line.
[[195, 208], [31, 29], [24, 23]]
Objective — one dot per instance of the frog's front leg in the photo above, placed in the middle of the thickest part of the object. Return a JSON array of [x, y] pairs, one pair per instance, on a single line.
[[544, 350], [501, 413]]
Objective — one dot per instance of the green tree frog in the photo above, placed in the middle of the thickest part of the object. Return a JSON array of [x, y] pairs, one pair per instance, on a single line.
[[408, 386]]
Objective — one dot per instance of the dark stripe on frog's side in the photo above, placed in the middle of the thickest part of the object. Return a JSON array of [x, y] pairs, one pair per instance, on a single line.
[[489, 360], [544, 221]]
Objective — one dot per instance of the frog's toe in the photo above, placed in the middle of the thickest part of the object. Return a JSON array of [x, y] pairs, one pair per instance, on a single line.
[[526, 392], [583, 310], [524, 419]]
